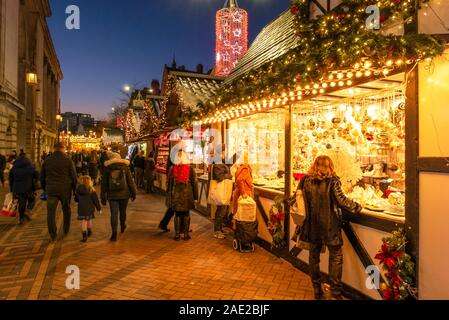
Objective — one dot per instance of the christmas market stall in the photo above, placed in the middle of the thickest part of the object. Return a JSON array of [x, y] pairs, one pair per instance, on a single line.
[[171, 124], [320, 80]]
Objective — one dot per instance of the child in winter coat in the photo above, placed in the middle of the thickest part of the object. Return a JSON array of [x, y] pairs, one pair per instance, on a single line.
[[87, 200]]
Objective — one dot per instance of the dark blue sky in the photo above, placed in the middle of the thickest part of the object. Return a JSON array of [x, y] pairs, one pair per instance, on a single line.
[[129, 41]]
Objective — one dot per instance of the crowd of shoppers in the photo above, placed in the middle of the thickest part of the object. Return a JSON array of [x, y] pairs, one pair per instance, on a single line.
[[63, 176]]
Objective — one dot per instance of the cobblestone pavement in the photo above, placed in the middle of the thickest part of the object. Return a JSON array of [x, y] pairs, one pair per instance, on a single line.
[[143, 264]]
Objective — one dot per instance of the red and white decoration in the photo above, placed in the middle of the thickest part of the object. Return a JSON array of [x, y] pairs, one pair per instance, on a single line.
[[232, 37]]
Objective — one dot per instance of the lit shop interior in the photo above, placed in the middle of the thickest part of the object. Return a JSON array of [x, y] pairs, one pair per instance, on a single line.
[[361, 128]]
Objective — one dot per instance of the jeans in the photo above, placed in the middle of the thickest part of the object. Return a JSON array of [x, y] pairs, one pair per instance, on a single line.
[[138, 174], [335, 266], [118, 206], [219, 217], [52, 206]]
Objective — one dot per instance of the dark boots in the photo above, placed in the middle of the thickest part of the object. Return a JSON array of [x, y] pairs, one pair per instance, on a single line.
[[84, 237], [187, 227], [114, 236], [178, 223], [89, 232], [317, 290]]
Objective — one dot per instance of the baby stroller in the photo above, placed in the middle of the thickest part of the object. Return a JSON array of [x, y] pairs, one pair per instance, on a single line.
[[247, 226]]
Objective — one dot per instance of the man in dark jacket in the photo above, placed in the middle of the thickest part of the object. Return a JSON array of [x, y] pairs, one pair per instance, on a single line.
[[2, 169], [58, 179], [117, 186], [21, 181]]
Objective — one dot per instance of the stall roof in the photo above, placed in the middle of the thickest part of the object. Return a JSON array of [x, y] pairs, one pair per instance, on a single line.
[[194, 88], [275, 40]]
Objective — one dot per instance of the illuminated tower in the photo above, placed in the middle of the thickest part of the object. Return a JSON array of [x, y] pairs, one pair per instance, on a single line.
[[232, 37]]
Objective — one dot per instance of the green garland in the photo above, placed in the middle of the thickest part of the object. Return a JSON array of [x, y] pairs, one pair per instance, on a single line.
[[334, 41], [399, 268]]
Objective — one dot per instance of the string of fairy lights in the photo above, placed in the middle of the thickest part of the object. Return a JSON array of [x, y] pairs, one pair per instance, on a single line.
[[335, 81]]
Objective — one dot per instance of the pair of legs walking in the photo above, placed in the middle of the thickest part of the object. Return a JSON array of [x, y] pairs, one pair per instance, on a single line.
[[23, 200], [150, 185], [138, 176], [52, 206], [118, 207], [182, 225], [218, 222], [86, 226], [335, 269]]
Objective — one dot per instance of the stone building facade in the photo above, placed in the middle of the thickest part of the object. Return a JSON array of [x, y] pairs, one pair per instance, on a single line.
[[27, 113]]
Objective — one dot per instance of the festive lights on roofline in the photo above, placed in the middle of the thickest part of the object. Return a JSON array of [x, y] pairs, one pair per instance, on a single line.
[[336, 80], [338, 39]]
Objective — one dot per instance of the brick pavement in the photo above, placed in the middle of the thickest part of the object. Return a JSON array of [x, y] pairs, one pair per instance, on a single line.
[[143, 264]]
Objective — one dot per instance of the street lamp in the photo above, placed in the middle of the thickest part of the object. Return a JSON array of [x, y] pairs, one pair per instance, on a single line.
[[31, 78], [33, 81], [58, 124], [127, 88]]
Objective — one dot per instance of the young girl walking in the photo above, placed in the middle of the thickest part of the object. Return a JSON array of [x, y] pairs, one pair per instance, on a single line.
[[87, 200]]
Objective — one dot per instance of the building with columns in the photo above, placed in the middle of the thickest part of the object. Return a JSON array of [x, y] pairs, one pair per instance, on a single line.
[[30, 76]]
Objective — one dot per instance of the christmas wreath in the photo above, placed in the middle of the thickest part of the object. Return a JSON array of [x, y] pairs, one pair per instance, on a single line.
[[276, 223], [399, 268]]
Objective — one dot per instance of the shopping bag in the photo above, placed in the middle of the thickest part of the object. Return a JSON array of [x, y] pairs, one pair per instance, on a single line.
[[43, 196], [9, 206], [300, 212], [246, 210], [220, 193]]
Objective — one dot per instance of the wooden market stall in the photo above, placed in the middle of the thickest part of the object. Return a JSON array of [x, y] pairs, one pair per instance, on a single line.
[[362, 113]]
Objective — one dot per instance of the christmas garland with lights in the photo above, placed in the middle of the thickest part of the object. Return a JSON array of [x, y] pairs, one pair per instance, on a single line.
[[275, 225], [399, 268], [338, 40]]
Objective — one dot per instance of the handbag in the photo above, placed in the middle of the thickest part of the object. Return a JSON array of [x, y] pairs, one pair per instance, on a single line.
[[247, 210], [44, 196], [220, 193], [9, 206]]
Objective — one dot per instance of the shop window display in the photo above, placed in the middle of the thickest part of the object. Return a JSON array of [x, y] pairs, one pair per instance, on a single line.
[[260, 140], [365, 137]]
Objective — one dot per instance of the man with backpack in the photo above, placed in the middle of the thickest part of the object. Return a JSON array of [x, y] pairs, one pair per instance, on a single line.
[[117, 187]]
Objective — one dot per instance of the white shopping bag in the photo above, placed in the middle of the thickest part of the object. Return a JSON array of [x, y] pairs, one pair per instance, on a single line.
[[220, 193], [9, 206], [247, 210]]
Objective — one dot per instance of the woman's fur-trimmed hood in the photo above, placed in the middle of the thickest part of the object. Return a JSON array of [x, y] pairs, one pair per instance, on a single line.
[[115, 158]]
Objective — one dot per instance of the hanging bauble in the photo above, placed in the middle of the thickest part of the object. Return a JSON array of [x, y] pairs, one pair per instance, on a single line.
[[295, 10], [342, 16], [328, 146], [396, 1], [382, 19]]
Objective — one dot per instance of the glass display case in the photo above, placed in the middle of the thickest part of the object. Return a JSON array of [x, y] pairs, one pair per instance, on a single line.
[[260, 141], [365, 137]]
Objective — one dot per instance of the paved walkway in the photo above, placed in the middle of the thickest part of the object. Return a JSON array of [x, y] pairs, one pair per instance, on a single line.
[[143, 264]]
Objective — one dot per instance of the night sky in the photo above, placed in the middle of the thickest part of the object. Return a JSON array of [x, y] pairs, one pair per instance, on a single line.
[[128, 42]]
